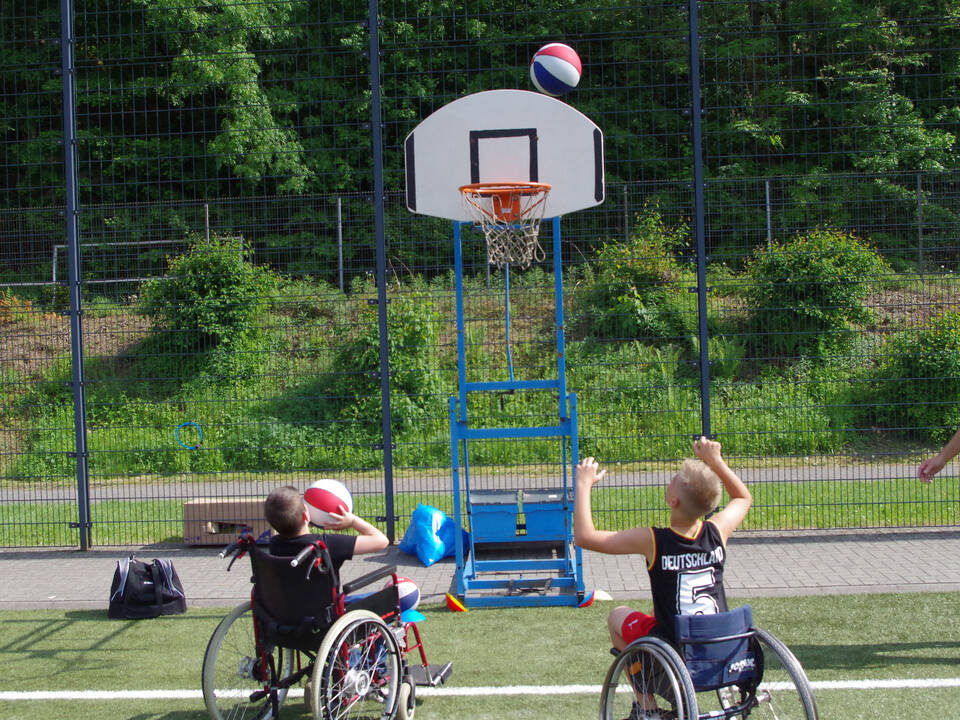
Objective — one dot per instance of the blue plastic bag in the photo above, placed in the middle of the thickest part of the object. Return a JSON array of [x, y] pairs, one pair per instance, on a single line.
[[431, 535]]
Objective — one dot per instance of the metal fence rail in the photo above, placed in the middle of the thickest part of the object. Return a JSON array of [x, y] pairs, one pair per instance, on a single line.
[[210, 284]]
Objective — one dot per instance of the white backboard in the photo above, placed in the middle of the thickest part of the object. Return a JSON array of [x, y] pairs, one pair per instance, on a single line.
[[504, 136]]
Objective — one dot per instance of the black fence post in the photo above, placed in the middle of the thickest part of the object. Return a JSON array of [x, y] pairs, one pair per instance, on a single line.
[[698, 213], [376, 126], [72, 222]]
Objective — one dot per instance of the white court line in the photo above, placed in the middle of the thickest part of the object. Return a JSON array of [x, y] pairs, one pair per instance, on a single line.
[[889, 684]]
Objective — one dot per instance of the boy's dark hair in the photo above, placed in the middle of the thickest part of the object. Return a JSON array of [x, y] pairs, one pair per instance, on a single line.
[[283, 509]]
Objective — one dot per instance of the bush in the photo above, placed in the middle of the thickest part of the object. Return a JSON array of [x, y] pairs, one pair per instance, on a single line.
[[210, 296], [805, 295], [919, 379], [631, 291], [350, 391]]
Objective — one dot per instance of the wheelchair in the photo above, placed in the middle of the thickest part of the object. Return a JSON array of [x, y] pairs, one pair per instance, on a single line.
[[301, 625], [725, 668]]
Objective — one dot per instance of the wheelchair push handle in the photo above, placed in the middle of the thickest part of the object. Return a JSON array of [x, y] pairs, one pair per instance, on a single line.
[[237, 549], [308, 551], [232, 547]]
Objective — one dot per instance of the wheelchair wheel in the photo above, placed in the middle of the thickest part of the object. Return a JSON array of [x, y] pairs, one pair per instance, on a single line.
[[234, 677], [358, 670], [649, 669], [785, 692], [407, 703]]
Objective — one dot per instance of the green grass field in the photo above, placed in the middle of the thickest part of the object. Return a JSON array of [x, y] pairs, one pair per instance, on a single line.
[[837, 638]]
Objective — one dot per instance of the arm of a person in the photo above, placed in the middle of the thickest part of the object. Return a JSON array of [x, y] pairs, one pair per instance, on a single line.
[[930, 467], [733, 513], [585, 534], [369, 538]]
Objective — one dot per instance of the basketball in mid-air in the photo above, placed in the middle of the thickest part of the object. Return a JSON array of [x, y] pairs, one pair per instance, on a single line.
[[324, 497], [555, 69]]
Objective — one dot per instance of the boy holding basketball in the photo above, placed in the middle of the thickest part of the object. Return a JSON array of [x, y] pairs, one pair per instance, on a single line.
[[285, 511], [685, 560]]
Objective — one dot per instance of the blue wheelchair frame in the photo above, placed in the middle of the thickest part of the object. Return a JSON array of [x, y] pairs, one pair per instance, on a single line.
[[723, 652]]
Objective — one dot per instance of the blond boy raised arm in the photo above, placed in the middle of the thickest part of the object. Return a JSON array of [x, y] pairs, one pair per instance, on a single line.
[[684, 561]]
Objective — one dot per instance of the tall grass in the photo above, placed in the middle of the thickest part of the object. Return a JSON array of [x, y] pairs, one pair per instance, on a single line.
[[296, 400]]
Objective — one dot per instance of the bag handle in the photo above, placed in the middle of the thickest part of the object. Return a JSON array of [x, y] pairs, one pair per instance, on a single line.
[[123, 569], [157, 574]]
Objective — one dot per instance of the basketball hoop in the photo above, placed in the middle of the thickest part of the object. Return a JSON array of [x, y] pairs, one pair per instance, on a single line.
[[509, 213]]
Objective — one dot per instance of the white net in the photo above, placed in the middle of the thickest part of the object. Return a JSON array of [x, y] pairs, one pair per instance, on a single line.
[[509, 215]]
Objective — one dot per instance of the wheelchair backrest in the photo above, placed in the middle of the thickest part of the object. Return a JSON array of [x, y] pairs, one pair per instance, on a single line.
[[295, 605], [717, 649]]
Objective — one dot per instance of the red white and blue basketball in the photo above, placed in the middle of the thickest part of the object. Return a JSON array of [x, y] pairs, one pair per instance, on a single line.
[[555, 69], [408, 591], [324, 497]]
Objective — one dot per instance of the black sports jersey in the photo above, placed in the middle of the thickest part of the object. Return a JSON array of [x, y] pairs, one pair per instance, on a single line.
[[339, 546], [686, 574]]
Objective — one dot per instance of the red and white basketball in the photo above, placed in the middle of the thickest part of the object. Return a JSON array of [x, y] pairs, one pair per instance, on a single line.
[[409, 593], [324, 497], [555, 69]]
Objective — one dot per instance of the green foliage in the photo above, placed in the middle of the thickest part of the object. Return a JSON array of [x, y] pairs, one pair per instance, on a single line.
[[918, 379], [210, 298], [633, 289], [225, 101], [804, 295], [350, 390], [310, 363]]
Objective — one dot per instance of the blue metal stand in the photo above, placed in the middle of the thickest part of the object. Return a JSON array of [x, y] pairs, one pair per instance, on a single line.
[[525, 580]]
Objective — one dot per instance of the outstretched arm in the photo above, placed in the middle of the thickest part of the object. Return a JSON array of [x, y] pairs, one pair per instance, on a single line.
[[728, 519], [369, 538], [585, 535], [930, 467]]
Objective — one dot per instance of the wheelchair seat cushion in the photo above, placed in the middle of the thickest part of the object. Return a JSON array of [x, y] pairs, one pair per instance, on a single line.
[[714, 663]]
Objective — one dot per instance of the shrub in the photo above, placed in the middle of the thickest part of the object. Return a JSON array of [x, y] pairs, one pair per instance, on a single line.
[[631, 289], [13, 309], [804, 295], [919, 379], [351, 389], [210, 296]]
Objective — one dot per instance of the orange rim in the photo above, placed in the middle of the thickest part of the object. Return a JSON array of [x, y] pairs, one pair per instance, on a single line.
[[504, 197], [505, 188]]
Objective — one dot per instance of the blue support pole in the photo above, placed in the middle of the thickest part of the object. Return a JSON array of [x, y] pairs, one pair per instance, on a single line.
[[558, 301], [457, 514], [461, 338], [506, 319]]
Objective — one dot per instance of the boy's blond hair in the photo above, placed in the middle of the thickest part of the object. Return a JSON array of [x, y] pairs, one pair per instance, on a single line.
[[700, 490]]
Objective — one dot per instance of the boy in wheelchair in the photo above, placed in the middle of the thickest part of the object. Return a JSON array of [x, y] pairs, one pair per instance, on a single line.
[[303, 624], [287, 515], [684, 561]]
